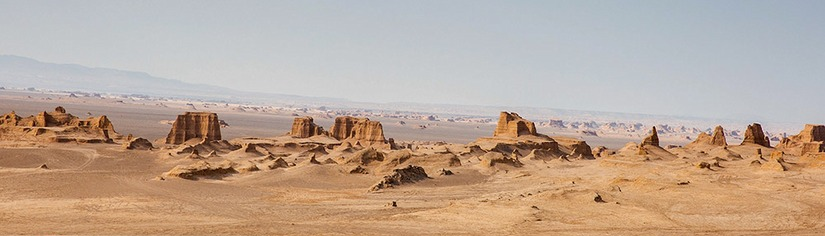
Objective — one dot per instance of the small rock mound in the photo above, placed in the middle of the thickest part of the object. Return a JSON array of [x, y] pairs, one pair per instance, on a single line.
[[138, 144], [407, 175], [493, 158], [202, 169]]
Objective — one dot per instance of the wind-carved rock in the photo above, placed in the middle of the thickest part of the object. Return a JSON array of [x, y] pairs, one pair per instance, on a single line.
[[755, 135], [204, 125], [652, 139], [94, 129], [717, 139], [512, 125], [361, 130], [810, 140], [305, 127]]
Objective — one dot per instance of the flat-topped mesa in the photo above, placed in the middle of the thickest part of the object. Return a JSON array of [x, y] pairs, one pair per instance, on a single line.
[[512, 125], [361, 130], [652, 139], [717, 139], [810, 140], [305, 127], [755, 135], [203, 125]]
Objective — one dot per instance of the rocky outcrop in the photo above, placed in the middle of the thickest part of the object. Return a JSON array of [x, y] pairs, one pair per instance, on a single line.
[[652, 139], [755, 135], [408, 175], [361, 130], [138, 144], [717, 139], [202, 169], [70, 128], [810, 140], [512, 125], [305, 127], [203, 125]]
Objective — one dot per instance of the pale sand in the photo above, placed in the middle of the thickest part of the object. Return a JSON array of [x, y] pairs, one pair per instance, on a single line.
[[103, 189]]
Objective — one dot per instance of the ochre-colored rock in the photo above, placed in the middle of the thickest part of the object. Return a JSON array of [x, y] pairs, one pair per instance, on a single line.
[[652, 139], [717, 139], [512, 125], [305, 127], [92, 129], [361, 130], [810, 140], [204, 125], [755, 135]]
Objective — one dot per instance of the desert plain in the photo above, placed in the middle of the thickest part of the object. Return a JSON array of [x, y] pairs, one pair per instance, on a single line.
[[173, 170]]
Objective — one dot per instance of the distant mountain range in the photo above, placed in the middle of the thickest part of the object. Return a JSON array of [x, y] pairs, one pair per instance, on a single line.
[[22, 72]]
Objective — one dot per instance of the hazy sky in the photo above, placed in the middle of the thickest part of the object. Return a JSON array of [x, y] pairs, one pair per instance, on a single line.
[[761, 60]]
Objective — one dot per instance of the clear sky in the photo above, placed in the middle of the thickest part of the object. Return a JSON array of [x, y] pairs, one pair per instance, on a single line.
[[760, 60]]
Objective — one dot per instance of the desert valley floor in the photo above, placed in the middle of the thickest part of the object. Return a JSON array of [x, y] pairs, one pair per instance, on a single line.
[[259, 180]]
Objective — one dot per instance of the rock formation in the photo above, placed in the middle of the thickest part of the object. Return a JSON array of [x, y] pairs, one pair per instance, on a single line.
[[755, 135], [70, 128], [652, 139], [410, 174], [138, 144], [361, 130], [204, 125], [717, 139], [810, 140], [305, 127], [512, 125], [201, 169]]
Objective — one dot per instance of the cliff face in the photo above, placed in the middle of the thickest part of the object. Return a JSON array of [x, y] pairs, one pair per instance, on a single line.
[[755, 135], [360, 130], [810, 140], [512, 125], [305, 127], [204, 125]]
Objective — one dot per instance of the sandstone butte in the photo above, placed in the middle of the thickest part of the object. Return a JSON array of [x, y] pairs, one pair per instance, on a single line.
[[59, 118], [361, 130], [755, 135], [512, 125], [305, 127], [203, 125], [810, 140]]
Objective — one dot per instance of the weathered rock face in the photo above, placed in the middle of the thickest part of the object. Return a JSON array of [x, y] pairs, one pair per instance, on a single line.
[[652, 139], [755, 135], [810, 140], [512, 125], [360, 130], [305, 127], [99, 126], [717, 139], [204, 125]]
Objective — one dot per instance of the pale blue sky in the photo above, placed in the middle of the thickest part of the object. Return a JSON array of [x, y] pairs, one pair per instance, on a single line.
[[760, 60]]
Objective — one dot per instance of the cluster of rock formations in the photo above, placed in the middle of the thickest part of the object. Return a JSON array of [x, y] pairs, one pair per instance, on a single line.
[[514, 134], [190, 125], [57, 126], [810, 140]]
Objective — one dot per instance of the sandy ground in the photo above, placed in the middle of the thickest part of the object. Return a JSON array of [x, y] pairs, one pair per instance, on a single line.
[[104, 189]]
